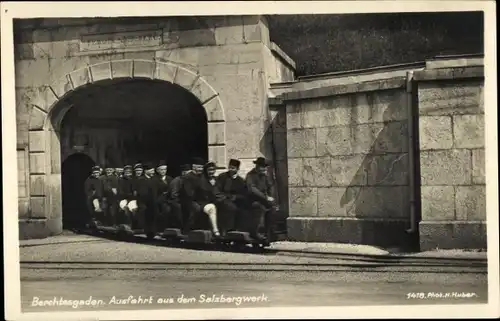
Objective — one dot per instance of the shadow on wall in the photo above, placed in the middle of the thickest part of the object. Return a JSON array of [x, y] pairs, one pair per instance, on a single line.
[[379, 189], [273, 146]]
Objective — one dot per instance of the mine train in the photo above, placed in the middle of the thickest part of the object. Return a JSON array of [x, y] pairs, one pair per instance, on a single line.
[[200, 236], [200, 232]]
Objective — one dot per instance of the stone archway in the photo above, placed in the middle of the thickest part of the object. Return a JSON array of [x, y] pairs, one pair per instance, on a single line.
[[45, 122]]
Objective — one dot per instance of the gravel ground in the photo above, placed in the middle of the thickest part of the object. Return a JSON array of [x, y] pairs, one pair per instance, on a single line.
[[101, 250], [70, 246]]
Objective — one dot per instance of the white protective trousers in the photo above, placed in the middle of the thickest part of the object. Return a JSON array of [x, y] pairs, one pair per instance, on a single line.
[[211, 211], [97, 205]]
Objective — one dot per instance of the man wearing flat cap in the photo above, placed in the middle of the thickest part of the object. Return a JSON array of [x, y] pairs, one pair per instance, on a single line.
[[94, 191], [199, 195], [233, 187], [261, 190], [119, 172]]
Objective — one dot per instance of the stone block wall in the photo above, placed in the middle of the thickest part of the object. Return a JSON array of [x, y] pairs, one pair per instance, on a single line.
[[347, 149], [452, 163]]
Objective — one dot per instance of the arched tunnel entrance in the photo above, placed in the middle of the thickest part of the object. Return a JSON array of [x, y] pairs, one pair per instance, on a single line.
[[122, 122]]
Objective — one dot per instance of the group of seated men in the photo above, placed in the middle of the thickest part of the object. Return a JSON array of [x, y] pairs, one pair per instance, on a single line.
[[145, 197]]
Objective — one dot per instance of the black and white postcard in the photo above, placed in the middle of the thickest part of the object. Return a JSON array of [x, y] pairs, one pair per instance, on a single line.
[[249, 160]]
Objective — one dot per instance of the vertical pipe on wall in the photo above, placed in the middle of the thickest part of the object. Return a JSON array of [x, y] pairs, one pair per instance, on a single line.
[[411, 152]]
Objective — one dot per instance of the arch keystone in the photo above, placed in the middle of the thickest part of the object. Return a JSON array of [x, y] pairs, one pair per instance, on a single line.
[[144, 69], [121, 69]]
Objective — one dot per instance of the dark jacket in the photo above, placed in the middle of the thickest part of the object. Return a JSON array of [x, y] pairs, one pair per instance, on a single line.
[[108, 183], [143, 188], [234, 189], [175, 189], [259, 186], [93, 187], [161, 187], [197, 188], [126, 188]]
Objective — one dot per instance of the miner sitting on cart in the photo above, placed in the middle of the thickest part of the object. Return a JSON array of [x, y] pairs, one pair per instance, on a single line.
[[110, 195], [263, 205], [176, 217], [127, 198], [161, 183], [137, 207], [235, 202], [199, 195]]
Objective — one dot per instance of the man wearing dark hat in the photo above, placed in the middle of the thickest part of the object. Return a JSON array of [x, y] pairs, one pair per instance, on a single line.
[[149, 170], [94, 192], [126, 195], [110, 194], [199, 195], [233, 187], [261, 191]]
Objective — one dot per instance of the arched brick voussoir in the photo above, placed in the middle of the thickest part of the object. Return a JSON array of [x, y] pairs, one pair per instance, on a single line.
[[100, 71], [42, 98], [186, 78], [37, 118], [214, 110], [80, 77], [165, 71], [61, 86], [203, 91]]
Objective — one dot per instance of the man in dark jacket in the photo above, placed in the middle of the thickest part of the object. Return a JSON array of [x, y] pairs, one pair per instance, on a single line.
[[233, 187], [110, 194], [126, 195], [261, 191], [176, 218], [137, 207], [94, 192], [200, 195], [150, 200], [161, 182]]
